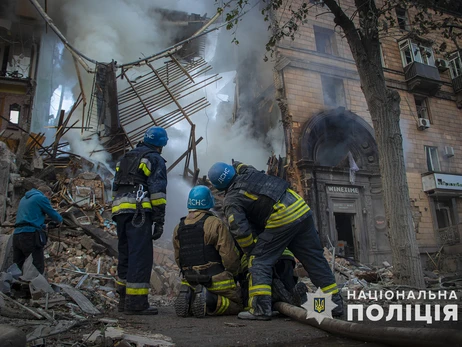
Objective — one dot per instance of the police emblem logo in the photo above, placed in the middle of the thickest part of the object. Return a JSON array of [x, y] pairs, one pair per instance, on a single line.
[[319, 304]]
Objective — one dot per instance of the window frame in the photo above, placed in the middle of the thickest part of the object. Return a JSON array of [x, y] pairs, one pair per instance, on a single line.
[[337, 84], [415, 50], [426, 107], [14, 108], [455, 59], [402, 18], [432, 157], [330, 35]]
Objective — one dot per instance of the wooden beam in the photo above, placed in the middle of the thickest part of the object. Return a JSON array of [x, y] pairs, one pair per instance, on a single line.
[[182, 156]]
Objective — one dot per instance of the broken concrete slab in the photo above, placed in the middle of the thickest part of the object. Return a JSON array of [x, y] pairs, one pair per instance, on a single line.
[[6, 251], [39, 286], [96, 233], [80, 299], [29, 270]]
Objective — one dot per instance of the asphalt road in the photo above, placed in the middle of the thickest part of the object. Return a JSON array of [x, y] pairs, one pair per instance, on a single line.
[[230, 331]]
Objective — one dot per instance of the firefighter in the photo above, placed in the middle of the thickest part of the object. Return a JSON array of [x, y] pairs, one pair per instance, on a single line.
[[139, 191], [208, 259], [256, 203]]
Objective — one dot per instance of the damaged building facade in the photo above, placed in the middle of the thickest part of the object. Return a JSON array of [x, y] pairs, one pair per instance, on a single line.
[[19, 54], [332, 139]]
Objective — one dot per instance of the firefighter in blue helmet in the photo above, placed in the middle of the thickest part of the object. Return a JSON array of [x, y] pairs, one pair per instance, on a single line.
[[208, 260], [264, 205], [139, 192]]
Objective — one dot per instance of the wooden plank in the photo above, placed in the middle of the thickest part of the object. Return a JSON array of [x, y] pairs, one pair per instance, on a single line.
[[80, 299]]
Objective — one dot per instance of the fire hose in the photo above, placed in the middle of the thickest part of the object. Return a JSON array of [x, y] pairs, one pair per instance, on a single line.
[[393, 336]]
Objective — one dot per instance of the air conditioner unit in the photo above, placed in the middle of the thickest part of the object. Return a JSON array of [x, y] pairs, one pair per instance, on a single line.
[[423, 123], [448, 151], [442, 64]]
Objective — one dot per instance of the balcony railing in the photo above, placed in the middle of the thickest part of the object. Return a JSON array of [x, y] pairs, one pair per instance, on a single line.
[[422, 78], [449, 235], [457, 84]]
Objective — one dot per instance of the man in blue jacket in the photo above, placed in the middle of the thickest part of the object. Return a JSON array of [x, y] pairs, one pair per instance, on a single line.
[[28, 237]]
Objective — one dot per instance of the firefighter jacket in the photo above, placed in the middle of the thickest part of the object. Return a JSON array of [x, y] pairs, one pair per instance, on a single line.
[[143, 166], [216, 234], [256, 201]]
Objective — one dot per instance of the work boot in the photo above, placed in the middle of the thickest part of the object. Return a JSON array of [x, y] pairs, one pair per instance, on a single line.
[[183, 301], [203, 301], [249, 316], [280, 293], [261, 309], [299, 294], [120, 289], [150, 311], [121, 304], [138, 305], [338, 311]]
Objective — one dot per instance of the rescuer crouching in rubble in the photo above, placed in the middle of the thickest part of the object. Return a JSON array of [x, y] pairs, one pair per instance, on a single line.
[[206, 254], [264, 205], [139, 188], [29, 235]]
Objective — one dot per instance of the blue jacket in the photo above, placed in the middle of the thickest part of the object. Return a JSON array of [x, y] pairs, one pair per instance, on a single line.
[[32, 210]]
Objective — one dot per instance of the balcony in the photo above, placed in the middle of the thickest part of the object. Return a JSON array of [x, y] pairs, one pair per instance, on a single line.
[[422, 78], [450, 235]]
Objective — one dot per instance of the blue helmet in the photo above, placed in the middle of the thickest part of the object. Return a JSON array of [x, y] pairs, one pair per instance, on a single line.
[[221, 175], [156, 136], [200, 198]]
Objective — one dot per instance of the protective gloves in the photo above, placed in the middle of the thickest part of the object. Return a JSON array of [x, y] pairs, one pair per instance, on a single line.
[[158, 231]]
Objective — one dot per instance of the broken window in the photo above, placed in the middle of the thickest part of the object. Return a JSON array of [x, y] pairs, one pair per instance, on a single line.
[[421, 105], [416, 52], [433, 161], [403, 21], [444, 214], [455, 65], [325, 41], [333, 91], [15, 109]]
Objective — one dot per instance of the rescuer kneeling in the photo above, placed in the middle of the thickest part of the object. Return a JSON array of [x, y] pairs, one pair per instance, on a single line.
[[208, 259]]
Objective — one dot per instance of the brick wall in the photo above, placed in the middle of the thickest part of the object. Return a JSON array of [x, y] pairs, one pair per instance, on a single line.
[[303, 88]]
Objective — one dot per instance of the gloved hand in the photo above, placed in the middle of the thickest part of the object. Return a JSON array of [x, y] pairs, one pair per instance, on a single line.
[[236, 164], [53, 224], [158, 231]]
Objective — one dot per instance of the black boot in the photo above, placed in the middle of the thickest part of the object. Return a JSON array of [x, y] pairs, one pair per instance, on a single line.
[[138, 305], [203, 302], [299, 294], [183, 301], [338, 311], [120, 289], [280, 293]]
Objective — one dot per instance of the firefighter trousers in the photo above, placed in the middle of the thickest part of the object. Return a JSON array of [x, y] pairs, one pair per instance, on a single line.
[[302, 239], [229, 299], [135, 260]]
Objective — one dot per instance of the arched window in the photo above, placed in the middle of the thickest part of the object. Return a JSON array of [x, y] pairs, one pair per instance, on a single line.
[[15, 109]]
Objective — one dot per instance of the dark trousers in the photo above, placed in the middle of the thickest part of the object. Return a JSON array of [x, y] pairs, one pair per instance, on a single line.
[[25, 244], [303, 241], [135, 260]]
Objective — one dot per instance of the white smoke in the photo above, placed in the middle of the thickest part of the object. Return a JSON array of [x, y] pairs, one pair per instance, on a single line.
[[125, 30]]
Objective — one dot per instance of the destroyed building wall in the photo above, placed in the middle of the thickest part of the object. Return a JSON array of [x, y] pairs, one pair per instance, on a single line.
[[19, 50], [320, 78]]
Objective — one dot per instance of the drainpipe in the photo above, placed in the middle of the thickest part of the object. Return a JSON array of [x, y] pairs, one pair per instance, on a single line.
[[409, 337]]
